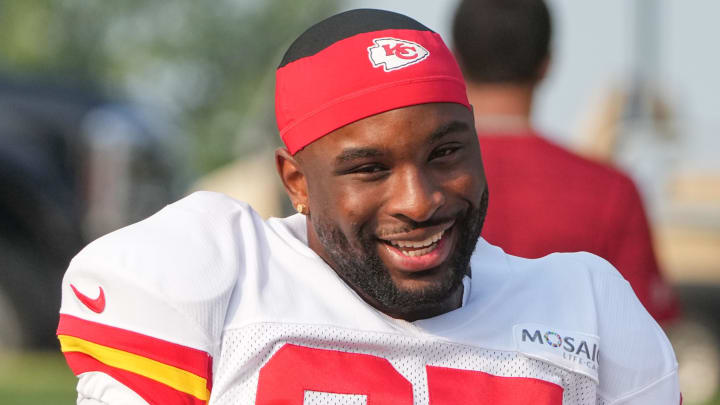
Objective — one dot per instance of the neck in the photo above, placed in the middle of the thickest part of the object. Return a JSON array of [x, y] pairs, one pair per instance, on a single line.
[[501, 107]]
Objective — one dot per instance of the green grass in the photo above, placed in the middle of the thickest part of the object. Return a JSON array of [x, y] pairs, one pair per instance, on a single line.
[[35, 378], [715, 401]]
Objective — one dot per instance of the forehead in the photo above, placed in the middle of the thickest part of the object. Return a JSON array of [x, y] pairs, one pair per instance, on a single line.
[[407, 128]]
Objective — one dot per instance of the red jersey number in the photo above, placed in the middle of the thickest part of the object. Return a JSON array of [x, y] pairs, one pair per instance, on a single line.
[[296, 369], [450, 386]]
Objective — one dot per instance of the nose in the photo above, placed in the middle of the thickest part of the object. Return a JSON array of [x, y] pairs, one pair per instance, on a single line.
[[414, 196]]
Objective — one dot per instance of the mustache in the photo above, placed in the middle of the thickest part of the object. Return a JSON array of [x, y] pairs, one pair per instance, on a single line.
[[409, 225]]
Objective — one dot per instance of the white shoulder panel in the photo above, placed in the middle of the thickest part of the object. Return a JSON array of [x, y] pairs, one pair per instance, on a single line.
[[636, 358], [169, 276], [571, 309], [95, 388]]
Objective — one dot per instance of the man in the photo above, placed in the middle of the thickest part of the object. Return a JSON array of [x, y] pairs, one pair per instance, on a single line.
[[379, 290], [545, 198]]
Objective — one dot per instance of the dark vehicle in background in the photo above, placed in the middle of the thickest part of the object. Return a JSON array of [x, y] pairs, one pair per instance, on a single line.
[[73, 166]]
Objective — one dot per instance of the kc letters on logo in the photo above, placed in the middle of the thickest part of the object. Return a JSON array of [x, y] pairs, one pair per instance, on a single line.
[[392, 53]]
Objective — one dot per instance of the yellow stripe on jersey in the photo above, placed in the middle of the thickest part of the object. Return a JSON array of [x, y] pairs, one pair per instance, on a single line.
[[171, 376]]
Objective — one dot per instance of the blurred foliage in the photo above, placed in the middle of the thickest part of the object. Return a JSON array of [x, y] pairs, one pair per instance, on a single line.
[[208, 64]]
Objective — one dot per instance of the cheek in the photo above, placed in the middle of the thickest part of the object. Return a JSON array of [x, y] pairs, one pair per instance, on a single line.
[[358, 205], [468, 184], [349, 206]]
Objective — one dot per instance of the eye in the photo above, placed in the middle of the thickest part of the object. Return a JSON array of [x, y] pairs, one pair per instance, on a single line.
[[364, 171], [371, 168], [444, 151], [370, 172]]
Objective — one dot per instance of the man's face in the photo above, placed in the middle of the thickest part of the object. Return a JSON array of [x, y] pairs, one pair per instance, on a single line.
[[397, 202]]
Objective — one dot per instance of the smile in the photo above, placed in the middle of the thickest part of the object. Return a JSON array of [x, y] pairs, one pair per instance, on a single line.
[[418, 248]]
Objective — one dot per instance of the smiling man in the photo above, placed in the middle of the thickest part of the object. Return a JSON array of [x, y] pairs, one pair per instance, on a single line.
[[380, 290], [396, 205]]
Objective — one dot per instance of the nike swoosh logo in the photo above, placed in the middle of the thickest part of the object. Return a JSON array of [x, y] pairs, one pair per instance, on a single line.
[[96, 305]]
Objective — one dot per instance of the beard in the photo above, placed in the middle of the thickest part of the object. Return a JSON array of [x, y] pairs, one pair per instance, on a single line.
[[361, 267]]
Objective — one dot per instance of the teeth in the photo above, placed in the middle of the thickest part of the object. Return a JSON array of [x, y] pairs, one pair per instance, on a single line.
[[419, 244], [419, 252]]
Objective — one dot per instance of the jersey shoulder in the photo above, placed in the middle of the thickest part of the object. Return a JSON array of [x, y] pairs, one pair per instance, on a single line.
[[150, 299], [181, 262], [587, 295]]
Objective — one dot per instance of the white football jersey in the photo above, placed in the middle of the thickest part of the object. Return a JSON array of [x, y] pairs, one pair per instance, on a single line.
[[204, 302]]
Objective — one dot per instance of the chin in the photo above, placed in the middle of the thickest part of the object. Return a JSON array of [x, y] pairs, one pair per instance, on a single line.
[[427, 288], [420, 299], [432, 279]]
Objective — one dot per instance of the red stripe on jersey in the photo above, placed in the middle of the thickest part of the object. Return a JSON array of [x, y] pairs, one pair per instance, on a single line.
[[153, 392], [448, 386], [192, 360]]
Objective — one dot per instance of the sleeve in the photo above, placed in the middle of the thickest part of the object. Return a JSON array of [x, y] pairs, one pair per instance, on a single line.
[[630, 249], [143, 308], [97, 388], [637, 365]]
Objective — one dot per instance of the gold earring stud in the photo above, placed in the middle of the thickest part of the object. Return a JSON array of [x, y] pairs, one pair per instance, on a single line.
[[300, 208]]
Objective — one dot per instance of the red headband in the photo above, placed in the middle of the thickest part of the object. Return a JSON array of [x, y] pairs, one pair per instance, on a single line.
[[360, 76]]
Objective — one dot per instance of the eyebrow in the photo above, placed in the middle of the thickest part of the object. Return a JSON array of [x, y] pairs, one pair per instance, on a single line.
[[448, 128], [351, 154]]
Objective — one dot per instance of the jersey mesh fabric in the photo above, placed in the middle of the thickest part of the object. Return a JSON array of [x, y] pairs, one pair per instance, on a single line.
[[247, 349], [328, 398]]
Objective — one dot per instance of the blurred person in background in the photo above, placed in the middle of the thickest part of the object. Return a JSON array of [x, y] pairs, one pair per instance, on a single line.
[[546, 198]]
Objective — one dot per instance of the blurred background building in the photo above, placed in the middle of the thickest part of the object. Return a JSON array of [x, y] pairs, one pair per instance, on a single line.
[[110, 110]]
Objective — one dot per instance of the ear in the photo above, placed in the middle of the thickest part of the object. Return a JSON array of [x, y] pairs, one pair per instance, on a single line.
[[292, 177]]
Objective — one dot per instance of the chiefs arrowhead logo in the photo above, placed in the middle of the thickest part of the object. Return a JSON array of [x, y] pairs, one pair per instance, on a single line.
[[392, 53], [96, 305]]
